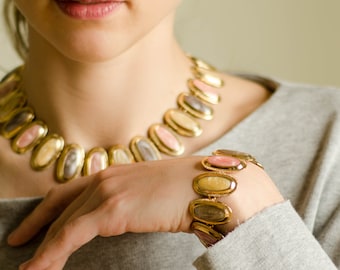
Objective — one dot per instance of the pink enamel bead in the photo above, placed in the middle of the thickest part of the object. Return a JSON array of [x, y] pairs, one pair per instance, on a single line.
[[223, 161], [98, 163], [209, 91], [29, 137], [96, 160], [168, 139]]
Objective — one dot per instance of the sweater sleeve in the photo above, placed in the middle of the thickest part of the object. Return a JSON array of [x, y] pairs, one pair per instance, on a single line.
[[276, 239]]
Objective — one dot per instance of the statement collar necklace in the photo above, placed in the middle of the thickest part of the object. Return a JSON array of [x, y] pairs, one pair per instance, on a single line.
[[18, 123]]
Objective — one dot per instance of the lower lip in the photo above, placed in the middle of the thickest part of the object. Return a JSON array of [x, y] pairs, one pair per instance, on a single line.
[[88, 11]]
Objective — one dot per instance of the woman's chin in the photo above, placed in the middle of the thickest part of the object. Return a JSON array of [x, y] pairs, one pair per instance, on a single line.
[[91, 50], [86, 55]]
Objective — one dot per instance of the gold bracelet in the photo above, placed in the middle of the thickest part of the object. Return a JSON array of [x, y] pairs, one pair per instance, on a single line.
[[208, 212]]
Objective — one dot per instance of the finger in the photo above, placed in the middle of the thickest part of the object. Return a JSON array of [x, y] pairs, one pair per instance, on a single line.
[[88, 201], [54, 203], [82, 209], [70, 238], [58, 265], [79, 207], [82, 206]]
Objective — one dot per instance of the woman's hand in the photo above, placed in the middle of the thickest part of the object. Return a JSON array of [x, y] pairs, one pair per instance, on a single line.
[[142, 197]]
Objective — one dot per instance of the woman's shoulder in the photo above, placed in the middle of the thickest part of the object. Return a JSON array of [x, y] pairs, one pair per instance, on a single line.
[[274, 84], [316, 98], [323, 90], [299, 95]]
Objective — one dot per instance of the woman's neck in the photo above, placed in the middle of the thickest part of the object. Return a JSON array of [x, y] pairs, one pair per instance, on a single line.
[[108, 102]]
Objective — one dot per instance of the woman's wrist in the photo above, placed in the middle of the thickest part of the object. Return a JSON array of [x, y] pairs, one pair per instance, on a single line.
[[234, 188]]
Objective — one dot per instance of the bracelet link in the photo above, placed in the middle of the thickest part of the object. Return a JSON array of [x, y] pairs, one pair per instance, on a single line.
[[208, 212]]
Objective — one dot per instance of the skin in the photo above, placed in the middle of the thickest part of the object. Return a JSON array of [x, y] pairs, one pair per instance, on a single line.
[[79, 73], [108, 204]]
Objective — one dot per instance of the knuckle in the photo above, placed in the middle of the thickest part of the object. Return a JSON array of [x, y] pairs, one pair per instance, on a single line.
[[113, 203], [65, 232], [43, 258], [108, 189], [104, 174], [99, 183], [116, 219], [104, 190], [52, 193]]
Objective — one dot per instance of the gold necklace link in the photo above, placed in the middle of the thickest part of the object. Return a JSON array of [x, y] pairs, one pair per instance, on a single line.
[[19, 124]]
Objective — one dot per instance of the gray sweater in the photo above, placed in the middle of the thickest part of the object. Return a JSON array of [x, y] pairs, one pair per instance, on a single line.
[[296, 135]]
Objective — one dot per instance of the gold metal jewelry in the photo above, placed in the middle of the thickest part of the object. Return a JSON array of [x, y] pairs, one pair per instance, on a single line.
[[207, 77], [143, 149], [47, 151], [205, 163], [18, 124], [70, 162], [206, 234], [29, 136], [214, 184], [16, 101], [208, 97], [243, 156], [96, 159], [195, 107], [10, 85], [120, 154], [166, 140], [208, 212], [10, 88], [20, 118], [14, 75], [182, 123], [201, 64]]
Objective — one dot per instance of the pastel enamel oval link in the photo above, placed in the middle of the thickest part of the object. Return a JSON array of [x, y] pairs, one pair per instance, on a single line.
[[166, 140], [96, 160]]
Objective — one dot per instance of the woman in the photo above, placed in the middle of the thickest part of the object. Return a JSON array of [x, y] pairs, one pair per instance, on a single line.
[[95, 74]]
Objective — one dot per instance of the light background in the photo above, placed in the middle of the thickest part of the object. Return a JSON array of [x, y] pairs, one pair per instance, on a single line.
[[296, 40]]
